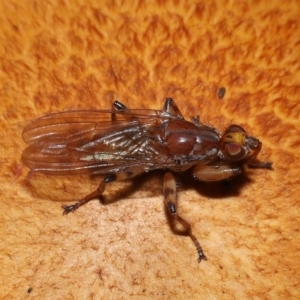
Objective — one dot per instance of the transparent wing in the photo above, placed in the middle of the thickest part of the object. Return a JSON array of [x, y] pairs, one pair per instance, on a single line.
[[91, 142]]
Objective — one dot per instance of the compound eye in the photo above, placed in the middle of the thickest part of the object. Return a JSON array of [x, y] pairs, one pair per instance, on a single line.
[[233, 143], [234, 151]]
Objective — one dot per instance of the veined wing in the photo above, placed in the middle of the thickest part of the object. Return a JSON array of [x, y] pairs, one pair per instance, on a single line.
[[90, 142], [69, 122]]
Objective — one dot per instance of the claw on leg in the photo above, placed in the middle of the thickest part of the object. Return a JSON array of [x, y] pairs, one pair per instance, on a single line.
[[70, 208]]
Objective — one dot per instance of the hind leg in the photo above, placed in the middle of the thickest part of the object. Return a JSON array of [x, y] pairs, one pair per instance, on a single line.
[[99, 191]]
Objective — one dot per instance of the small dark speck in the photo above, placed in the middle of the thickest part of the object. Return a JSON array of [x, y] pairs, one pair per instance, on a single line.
[[221, 92], [29, 290]]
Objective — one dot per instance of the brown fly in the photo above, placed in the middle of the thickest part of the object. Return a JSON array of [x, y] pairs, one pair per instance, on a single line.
[[121, 143]]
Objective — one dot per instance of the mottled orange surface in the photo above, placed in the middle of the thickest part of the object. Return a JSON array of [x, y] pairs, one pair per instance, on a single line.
[[62, 55]]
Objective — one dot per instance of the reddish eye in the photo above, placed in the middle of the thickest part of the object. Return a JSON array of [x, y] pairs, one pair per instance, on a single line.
[[234, 143], [234, 151]]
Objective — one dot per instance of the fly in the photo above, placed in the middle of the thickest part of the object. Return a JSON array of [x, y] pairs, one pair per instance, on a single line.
[[121, 143]]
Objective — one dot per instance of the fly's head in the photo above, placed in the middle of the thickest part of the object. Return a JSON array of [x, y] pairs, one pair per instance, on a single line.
[[237, 145]]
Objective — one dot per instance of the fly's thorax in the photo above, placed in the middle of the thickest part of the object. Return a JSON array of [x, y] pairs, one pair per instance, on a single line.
[[187, 139]]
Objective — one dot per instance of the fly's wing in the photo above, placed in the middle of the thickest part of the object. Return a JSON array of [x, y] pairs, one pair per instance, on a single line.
[[82, 142]]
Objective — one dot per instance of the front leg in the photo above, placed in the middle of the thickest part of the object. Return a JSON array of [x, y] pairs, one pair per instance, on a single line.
[[169, 191], [215, 173]]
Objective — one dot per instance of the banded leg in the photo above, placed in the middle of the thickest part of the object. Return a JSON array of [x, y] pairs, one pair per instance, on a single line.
[[171, 203], [99, 191]]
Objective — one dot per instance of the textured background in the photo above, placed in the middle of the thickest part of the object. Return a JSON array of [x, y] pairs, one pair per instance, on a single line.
[[62, 55]]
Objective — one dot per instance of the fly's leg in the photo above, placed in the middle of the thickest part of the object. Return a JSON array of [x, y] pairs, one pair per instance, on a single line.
[[98, 192], [117, 106], [260, 164], [171, 204], [215, 173], [252, 162], [171, 108]]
